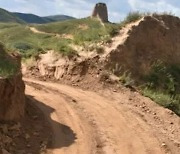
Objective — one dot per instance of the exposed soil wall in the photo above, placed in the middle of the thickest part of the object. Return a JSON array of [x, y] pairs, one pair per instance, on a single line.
[[155, 38], [12, 97]]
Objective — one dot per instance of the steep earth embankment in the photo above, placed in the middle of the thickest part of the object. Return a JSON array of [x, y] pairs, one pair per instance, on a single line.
[[153, 38], [12, 87], [12, 96], [137, 47], [21, 123], [110, 121]]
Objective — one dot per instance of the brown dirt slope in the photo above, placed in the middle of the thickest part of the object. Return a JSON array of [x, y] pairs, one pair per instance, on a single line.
[[12, 97], [153, 38]]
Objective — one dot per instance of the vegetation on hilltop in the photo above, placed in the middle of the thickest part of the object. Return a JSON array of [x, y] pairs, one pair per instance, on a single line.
[[21, 38], [8, 66], [162, 84], [58, 18], [133, 17], [83, 30]]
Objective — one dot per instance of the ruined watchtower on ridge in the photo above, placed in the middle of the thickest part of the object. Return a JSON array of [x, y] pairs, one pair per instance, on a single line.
[[100, 11]]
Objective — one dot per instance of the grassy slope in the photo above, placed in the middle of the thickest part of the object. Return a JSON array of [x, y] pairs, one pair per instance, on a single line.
[[83, 30], [19, 37], [58, 18], [162, 84], [87, 30], [8, 66]]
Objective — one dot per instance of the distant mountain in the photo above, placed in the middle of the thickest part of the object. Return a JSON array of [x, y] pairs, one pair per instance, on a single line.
[[31, 18], [34, 19], [6, 16], [58, 18]]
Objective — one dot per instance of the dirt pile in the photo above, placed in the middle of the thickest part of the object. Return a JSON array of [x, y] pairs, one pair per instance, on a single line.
[[53, 66], [137, 47], [100, 11], [154, 38], [12, 97]]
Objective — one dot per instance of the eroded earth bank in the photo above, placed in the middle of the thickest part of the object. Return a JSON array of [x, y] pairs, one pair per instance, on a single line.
[[76, 105]]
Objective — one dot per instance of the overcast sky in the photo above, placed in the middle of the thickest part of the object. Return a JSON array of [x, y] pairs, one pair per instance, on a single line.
[[118, 9]]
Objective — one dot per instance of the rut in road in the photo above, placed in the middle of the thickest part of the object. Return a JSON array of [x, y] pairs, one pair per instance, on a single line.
[[98, 125]]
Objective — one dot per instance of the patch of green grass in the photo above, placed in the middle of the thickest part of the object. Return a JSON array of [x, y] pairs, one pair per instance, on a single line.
[[66, 50], [83, 30], [8, 67], [165, 78], [9, 25], [22, 39], [166, 100], [133, 17], [126, 79], [70, 27], [162, 85]]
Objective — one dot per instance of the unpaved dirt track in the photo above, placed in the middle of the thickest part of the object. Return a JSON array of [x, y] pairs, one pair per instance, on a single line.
[[84, 122]]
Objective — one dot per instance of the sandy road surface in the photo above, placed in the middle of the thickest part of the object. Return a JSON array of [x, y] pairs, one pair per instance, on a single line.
[[84, 122]]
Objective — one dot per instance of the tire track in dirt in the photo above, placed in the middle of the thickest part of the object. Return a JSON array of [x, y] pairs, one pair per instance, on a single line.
[[99, 124]]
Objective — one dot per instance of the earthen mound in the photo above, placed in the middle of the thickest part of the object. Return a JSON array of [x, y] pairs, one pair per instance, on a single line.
[[154, 38], [12, 97]]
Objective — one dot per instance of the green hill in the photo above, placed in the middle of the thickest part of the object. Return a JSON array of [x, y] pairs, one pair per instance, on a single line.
[[31, 18], [9, 17], [6, 16], [58, 18], [83, 31], [34, 19]]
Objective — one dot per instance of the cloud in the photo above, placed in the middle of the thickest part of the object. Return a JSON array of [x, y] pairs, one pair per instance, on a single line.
[[83, 8], [154, 6]]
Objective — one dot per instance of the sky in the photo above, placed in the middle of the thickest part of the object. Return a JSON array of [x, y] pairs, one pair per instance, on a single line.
[[117, 9]]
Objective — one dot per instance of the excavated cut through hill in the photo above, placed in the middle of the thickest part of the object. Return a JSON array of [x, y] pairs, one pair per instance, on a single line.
[[110, 120], [151, 39], [12, 97]]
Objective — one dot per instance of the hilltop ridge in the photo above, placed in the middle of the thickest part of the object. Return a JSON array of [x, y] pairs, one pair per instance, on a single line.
[[22, 18], [6, 16]]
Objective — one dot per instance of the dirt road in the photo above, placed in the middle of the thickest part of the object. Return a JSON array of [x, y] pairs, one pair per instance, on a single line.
[[86, 122]]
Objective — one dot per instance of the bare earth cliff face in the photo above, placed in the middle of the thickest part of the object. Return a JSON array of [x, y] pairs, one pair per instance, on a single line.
[[153, 38], [12, 97], [148, 40]]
